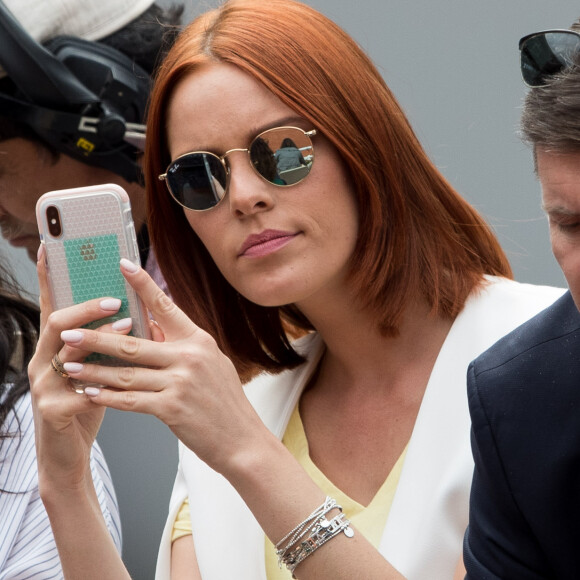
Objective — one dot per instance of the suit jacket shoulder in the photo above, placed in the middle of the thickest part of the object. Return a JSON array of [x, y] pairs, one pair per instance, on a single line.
[[524, 400], [560, 321]]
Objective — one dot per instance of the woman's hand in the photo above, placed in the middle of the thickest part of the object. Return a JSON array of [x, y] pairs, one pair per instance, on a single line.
[[66, 423], [189, 384], [185, 380]]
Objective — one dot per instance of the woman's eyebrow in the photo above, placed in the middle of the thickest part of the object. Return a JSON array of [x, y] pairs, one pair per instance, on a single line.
[[289, 121]]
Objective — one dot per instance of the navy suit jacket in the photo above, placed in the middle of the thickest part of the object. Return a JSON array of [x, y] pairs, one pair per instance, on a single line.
[[524, 400]]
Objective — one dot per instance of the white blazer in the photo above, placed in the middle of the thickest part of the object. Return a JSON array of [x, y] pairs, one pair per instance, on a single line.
[[424, 532]]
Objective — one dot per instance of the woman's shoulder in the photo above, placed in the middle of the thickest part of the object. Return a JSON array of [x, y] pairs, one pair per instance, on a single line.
[[496, 308], [506, 293]]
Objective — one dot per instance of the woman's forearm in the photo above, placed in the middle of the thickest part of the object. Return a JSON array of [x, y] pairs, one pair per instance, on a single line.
[[85, 546], [281, 495]]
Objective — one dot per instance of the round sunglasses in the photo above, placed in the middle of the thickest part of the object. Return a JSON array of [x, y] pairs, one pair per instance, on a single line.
[[546, 53], [282, 156]]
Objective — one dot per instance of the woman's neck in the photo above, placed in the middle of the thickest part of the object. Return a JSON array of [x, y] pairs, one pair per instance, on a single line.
[[357, 353]]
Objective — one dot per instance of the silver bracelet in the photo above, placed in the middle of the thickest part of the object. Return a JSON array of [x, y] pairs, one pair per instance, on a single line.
[[300, 529], [295, 551]]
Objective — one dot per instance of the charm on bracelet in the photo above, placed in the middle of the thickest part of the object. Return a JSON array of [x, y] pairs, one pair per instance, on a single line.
[[320, 530], [321, 533]]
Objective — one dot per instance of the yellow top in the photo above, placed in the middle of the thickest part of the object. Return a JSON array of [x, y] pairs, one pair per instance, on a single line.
[[369, 521], [182, 524]]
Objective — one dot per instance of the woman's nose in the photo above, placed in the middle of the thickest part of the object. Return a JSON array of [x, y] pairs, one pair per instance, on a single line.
[[248, 193]]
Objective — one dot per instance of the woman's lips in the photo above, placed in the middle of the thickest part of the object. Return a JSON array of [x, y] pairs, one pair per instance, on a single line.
[[266, 242]]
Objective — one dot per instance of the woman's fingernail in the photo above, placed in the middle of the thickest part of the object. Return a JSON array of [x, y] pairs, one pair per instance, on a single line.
[[40, 253], [71, 336], [122, 324], [92, 391], [128, 266], [110, 304], [73, 367]]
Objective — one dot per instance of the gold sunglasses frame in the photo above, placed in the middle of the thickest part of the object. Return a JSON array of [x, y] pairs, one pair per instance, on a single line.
[[222, 159]]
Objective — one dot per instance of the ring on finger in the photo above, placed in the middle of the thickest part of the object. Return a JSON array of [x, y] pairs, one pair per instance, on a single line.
[[58, 367]]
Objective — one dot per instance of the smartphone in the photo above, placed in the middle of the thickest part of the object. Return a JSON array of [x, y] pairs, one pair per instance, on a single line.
[[85, 232]]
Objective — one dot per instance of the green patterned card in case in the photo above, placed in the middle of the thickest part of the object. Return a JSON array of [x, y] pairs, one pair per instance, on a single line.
[[93, 267]]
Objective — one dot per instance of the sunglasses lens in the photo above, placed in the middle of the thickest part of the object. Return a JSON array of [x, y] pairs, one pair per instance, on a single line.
[[282, 156], [546, 54], [197, 180]]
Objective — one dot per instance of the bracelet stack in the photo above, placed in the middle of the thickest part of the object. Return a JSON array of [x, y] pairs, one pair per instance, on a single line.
[[310, 534]]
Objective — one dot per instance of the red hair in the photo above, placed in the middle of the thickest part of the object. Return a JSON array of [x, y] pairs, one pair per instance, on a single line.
[[417, 236]]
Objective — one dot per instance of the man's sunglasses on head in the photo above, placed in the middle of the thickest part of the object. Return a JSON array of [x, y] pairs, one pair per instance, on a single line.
[[544, 54]]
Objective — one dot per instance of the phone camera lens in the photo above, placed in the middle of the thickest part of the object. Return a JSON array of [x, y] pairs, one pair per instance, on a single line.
[[53, 218]]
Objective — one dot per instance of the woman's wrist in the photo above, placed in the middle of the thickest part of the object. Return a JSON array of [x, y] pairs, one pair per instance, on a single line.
[[273, 484], [57, 492], [251, 457]]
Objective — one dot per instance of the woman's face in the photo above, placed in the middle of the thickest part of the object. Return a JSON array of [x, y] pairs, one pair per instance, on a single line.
[[275, 245]]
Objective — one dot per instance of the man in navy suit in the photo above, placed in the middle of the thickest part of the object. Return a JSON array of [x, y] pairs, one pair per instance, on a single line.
[[524, 393]]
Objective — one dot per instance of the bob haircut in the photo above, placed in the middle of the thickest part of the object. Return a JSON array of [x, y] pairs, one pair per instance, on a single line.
[[417, 236]]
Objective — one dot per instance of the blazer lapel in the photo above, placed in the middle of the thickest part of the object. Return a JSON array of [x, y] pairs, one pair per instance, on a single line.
[[430, 508]]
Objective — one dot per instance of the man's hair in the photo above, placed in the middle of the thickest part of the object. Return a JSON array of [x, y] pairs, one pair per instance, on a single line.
[[417, 236], [145, 40], [551, 112]]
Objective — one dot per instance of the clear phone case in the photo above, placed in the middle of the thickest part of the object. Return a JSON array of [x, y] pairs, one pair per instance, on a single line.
[[86, 231]]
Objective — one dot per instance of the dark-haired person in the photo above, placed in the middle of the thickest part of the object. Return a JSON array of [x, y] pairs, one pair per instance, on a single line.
[[30, 163], [134, 33], [288, 155], [524, 393], [394, 280], [27, 547]]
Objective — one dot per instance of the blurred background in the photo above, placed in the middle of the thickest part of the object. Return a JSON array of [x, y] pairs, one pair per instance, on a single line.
[[454, 67]]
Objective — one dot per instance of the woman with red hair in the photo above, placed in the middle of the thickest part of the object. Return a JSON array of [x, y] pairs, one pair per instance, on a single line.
[[313, 365]]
